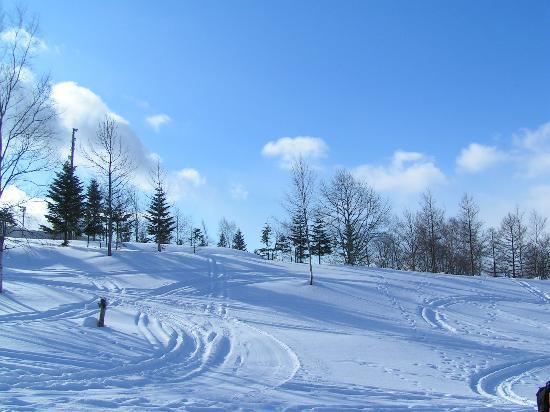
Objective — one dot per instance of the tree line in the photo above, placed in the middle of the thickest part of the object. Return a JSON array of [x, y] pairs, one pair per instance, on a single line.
[[108, 209], [346, 221]]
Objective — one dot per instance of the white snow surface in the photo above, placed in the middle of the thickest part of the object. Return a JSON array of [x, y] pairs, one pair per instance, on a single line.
[[225, 330]]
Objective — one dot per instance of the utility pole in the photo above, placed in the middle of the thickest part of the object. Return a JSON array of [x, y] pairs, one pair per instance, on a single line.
[[72, 147]]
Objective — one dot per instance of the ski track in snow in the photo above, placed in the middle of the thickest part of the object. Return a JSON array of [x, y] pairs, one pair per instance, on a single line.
[[187, 334], [496, 382], [185, 345]]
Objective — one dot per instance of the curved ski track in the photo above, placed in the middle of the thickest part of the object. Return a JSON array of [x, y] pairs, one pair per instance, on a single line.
[[181, 339]]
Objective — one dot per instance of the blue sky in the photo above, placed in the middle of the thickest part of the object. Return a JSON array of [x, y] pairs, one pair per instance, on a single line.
[[397, 91]]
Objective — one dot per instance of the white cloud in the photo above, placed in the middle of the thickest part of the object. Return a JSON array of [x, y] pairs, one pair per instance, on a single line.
[[477, 157], [192, 176], [290, 148], [534, 140], [238, 192], [534, 147], [158, 120], [408, 172], [184, 183], [538, 198], [35, 207], [24, 38], [81, 108]]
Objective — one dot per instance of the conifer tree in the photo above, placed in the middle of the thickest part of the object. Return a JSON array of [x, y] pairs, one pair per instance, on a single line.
[[282, 245], [121, 221], [299, 238], [321, 243], [65, 203], [93, 219], [238, 241], [266, 239], [161, 223], [197, 238], [223, 241]]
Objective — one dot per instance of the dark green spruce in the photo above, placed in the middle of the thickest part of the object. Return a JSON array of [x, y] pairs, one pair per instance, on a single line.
[[321, 242], [93, 217], [161, 223], [65, 204], [238, 241]]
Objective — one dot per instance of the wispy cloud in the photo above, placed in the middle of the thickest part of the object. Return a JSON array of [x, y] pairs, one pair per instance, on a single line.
[[238, 192], [157, 120], [23, 37], [290, 148], [408, 172], [477, 157]]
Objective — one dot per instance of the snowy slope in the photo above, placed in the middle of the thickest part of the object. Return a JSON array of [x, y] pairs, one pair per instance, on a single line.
[[223, 329]]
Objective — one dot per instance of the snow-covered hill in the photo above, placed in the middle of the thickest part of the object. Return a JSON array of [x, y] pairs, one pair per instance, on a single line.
[[224, 329]]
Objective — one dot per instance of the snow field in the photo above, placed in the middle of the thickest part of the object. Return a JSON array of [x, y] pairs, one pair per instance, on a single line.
[[225, 330]]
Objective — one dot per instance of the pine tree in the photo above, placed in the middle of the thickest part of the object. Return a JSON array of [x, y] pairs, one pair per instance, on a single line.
[[321, 242], [266, 239], [121, 220], [223, 241], [161, 223], [298, 237], [282, 245], [66, 203], [197, 238], [93, 219], [238, 241]]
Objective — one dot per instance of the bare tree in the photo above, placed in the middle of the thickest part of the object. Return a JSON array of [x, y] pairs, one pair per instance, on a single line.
[[535, 249], [108, 155], [432, 221], [26, 110], [182, 225], [300, 200], [492, 239], [521, 237], [509, 245], [409, 237], [356, 215], [227, 230], [206, 238], [470, 232]]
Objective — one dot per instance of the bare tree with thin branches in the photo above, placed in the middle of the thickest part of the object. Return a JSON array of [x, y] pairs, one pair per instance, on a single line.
[[300, 200], [26, 111], [356, 215], [108, 155]]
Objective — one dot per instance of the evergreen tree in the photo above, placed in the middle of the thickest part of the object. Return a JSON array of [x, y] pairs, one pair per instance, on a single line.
[[197, 238], [223, 241], [238, 241], [282, 245], [93, 219], [321, 242], [298, 237], [66, 203], [121, 221], [266, 239], [161, 223]]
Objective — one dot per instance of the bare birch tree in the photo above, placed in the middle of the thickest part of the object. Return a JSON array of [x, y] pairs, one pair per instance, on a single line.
[[108, 155], [300, 200], [26, 111]]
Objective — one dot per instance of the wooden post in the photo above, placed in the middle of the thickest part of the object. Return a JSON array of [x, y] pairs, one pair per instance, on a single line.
[[102, 307]]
